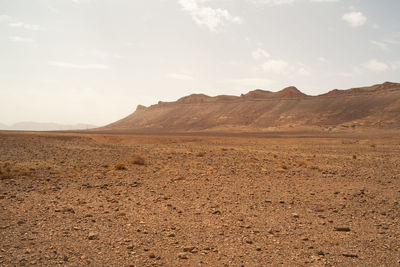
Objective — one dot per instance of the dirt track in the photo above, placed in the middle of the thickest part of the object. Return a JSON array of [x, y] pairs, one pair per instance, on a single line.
[[198, 201]]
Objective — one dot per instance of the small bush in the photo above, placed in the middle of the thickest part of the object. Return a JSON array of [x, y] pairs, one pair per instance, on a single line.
[[354, 157], [5, 170], [120, 166], [201, 154], [138, 159]]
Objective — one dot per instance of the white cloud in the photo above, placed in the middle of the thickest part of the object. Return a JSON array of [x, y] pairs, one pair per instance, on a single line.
[[376, 66], [273, 2], [381, 45], [322, 59], [26, 26], [260, 53], [286, 2], [179, 76], [322, 1], [212, 18], [78, 66], [355, 19], [12, 22], [277, 66], [20, 39]]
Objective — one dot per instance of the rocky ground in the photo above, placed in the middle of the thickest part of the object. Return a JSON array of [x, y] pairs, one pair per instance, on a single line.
[[123, 200]]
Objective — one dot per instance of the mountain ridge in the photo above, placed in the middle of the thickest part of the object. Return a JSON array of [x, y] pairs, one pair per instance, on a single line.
[[260, 110]]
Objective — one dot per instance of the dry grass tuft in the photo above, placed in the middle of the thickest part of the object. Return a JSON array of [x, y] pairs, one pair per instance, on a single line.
[[138, 159], [120, 166], [5, 170]]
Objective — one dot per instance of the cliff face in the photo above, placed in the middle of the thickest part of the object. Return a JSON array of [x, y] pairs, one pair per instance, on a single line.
[[258, 110]]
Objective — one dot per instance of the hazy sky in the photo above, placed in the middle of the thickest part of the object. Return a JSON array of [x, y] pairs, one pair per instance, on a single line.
[[93, 61]]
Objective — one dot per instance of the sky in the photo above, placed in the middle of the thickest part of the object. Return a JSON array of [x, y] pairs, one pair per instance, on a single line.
[[94, 61]]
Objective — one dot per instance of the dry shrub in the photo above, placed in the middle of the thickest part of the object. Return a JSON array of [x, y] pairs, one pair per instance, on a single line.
[[138, 159], [201, 154], [354, 157], [9, 170], [120, 166], [5, 170]]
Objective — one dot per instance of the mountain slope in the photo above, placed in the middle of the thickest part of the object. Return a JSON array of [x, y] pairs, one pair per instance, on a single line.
[[258, 110]]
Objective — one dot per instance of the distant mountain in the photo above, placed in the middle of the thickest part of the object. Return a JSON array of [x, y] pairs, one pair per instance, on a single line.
[[3, 126], [374, 106], [43, 126]]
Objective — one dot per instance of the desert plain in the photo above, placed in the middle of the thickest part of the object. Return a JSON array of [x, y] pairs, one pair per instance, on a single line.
[[101, 199]]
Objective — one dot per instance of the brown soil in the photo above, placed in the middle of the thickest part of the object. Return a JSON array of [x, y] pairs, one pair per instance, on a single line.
[[125, 200]]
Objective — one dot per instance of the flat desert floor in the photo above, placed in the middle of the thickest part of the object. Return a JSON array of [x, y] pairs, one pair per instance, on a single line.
[[135, 200]]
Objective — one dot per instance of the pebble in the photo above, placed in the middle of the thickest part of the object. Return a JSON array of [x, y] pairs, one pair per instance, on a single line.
[[92, 236], [342, 229], [350, 255], [182, 256], [188, 249], [171, 234]]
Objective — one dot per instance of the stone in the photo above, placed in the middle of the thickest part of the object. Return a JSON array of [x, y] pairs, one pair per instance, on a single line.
[[92, 236], [171, 234], [182, 256], [350, 255], [342, 229], [188, 249], [320, 253]]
